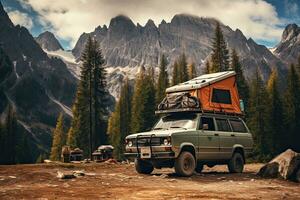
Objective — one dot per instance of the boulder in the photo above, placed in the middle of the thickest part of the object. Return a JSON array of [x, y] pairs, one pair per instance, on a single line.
[[285, 165]]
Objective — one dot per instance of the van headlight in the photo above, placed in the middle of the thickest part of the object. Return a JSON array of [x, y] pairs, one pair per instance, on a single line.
[[130, 143], [167, 141]]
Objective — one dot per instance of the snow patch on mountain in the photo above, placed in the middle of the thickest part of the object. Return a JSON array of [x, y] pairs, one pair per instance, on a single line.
[[64, 55], [15, 69], [65, 108]]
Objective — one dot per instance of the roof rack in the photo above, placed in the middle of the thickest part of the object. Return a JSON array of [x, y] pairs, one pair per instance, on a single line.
[[197, 110]]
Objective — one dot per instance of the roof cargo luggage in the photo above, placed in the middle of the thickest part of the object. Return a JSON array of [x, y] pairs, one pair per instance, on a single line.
[[216, 92]]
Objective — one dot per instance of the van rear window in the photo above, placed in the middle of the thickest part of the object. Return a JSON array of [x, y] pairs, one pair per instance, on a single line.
[[238, 126], [221, 96], [223, 125]]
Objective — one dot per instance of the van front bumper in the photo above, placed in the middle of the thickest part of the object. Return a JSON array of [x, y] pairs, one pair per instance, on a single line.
[[154, 155]]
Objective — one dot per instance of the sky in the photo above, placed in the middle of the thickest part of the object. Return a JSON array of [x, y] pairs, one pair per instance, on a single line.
[[262, 20]]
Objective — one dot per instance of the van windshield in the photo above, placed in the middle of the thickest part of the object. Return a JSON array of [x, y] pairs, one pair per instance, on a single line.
[[187, 121]]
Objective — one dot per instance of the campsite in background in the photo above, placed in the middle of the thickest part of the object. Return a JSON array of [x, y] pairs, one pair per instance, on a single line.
[[99, 101]]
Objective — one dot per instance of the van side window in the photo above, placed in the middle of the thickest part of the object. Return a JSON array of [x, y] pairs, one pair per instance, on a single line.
[[223, 125], [221, 96], [209, 121], [238, 126]]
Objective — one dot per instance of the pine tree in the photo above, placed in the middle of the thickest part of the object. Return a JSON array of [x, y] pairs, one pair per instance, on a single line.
[[292, 109], [275, 107], [192, 71], [207, 67], [298, 65], [100, 96], [220, 56], [88, 127], [119, 122], [148, 94], [24, 152], [114, 131], [138, 100], [163, 81], [14, 143], [125, 105], [241, 82], [72, 136], [258, 117], [58, 139], [10, 141], [175, 74], [182, 69], [143, 102], [2, 143]]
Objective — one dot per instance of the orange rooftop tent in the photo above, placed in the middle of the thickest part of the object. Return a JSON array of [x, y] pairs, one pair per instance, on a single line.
[[216, 92]]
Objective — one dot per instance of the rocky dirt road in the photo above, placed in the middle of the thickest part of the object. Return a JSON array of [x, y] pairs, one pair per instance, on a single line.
[[120, 181]]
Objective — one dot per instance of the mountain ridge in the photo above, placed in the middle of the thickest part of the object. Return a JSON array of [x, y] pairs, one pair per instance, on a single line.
[[38, 87], [126, 46]]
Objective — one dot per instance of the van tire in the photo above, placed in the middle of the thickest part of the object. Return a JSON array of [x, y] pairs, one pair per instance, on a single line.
[[143, 167], [185, 164], [236, 163]]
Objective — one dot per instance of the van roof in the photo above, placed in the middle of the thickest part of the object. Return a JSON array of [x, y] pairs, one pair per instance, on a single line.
[[201, 81]]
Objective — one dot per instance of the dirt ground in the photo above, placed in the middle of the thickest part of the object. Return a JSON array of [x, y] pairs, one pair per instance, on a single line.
[[120, 181]]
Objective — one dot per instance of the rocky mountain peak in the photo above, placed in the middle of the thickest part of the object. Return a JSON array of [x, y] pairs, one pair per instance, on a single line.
[[4, 19], [121, 21], [121, 27], [150, 24], [48, 41], [290, 31], [163, 22], [191, 19], [288, 48]]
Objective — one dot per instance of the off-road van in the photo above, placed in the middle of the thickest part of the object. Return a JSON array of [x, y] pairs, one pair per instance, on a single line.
[[187, 141]]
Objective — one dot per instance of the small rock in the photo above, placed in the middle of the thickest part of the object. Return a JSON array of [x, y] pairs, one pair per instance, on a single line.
[[252, 180], [47, 161], [222, 178], [76, 162], [103, 183], [78, 173], [111, 161], [163, 176], [86, 161], [66, 185], [172, 180], [13, 177], [62, 175]]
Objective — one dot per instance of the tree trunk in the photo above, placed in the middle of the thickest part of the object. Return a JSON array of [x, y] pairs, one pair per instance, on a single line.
[[285, 165]]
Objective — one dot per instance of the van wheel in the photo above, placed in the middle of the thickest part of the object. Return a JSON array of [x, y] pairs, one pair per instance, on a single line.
[[236, 163], [185, 164], [199, 168], [143, 167]]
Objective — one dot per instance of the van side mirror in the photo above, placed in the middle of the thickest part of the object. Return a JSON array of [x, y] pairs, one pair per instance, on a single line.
[[205, 126]]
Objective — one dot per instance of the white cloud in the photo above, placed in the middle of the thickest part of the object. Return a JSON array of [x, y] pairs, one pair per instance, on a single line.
[[20, 18], [69, 18]]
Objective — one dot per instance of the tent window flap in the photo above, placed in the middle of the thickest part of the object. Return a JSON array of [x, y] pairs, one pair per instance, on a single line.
[[221, 96]]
